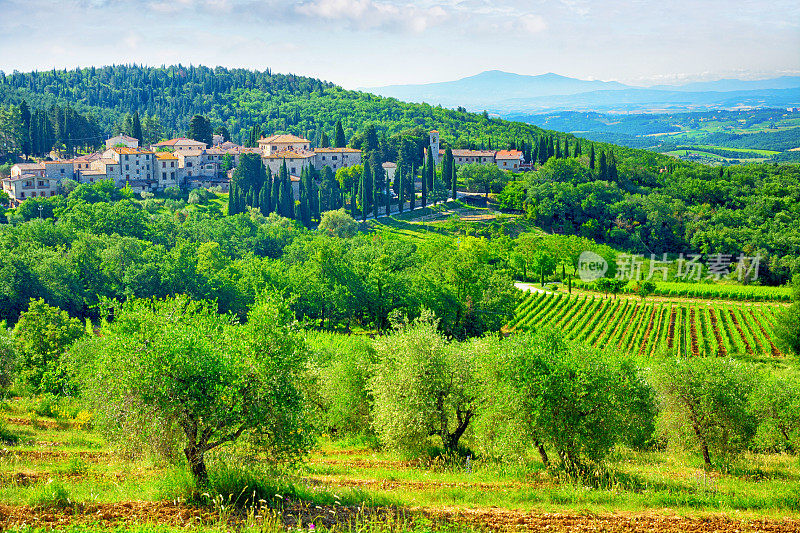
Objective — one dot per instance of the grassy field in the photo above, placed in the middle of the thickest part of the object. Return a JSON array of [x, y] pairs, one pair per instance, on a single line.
[[60, 473]]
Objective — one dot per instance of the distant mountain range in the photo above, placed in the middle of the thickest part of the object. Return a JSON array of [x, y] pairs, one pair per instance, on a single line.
[[506, 93]]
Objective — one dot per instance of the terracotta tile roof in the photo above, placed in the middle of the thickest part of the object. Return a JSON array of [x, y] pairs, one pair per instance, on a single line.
[[289, 154], [282, 139], [89, 157], [130, 151], [179, 141], [337, 150], [30, 166], [124, 137], [473, 153], [509, 154], [62, 162], [166, 155], [105, 161], [26, 177]]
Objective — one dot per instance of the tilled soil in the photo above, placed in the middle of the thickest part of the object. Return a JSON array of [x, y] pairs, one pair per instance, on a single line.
[[504, 519], [295, 514]]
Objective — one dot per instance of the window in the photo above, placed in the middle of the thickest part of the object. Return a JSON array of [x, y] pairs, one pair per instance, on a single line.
[[335, 157], [163, 164], [323, 158], [62, 170], [294, 170], [172, 175], [172, 165], [22, 195], [126, 157], [127, 167]]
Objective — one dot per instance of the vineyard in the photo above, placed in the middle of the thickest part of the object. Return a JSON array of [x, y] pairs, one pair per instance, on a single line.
[[713, 291], [653, 328]]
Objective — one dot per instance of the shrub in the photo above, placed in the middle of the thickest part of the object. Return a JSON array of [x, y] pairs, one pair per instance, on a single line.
[[183, 363], [776, 404], [337, 382], [50, 495], [705, 401], [338, 223], [42, 335], [542, 391], [422, 386]]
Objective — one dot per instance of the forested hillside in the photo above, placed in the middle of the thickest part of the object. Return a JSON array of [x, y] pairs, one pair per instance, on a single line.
[[241, 99]]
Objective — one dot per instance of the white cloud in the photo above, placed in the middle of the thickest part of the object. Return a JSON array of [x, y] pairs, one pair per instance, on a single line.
[[532, 23], [373, 14]]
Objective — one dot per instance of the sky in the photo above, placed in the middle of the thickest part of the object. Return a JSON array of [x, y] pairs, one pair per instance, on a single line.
[[368, 43]]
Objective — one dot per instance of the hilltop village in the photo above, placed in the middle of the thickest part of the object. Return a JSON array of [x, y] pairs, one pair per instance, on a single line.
[[191, 164]]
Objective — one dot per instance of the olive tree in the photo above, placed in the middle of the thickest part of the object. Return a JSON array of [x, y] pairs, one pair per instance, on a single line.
[[42, 335], [706, 400], [182, 363], [775, 401], [422, 387], [563, 397]]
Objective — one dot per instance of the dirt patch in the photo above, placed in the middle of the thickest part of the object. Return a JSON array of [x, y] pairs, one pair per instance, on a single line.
[[50, 455], [165, 513], [363, 463], [393, 484], [295, 514], [40, 424], [502, 519]]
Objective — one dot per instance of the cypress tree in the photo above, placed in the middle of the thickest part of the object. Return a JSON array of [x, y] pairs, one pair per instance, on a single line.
[[591, 156], [305, 208], [558, 149], [543, 148], [448, 168], [551, 150], [424, 185], [401, 187], [275, 200], [339, 140], [566, 148], [377, 186], [431, 170], [577, 152], [364, 193], [612, 168], [353, 193], [241, 206], [267, 191], [286, 193], [263, 199], [454, 179], [412, 187], [232, 200], [603, 173], [313, 193], [136, 129], [251, 198]]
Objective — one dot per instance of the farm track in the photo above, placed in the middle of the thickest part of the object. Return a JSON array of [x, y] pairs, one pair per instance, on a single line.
[[772, 347], [693, 331]]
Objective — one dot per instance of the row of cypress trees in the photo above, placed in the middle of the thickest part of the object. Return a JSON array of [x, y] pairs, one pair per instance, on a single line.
[[254, 186]]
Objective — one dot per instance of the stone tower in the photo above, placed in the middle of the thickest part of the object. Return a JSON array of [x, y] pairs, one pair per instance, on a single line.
[[434, 146]]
